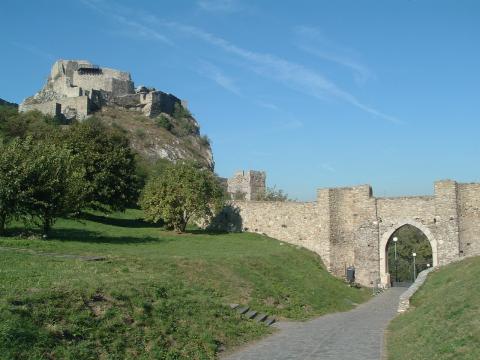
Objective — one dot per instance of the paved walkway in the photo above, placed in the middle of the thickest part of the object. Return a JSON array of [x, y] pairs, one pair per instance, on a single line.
[[353, 335]]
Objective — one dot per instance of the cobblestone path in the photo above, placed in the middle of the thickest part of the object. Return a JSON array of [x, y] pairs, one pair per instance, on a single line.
[[352, 335]]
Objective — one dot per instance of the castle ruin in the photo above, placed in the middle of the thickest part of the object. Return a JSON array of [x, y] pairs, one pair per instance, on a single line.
[[351, 227], [76, 88], [247, 185]]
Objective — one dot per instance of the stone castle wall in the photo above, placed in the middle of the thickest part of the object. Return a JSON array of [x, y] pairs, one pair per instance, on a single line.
[[351, 227], [72, 80]]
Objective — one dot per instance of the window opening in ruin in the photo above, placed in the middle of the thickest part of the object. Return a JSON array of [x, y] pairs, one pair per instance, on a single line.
[[410, 240]]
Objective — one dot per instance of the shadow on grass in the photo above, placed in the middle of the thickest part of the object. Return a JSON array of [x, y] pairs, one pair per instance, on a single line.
[[127, 223], [205, 232], [82, 235], [88, 236]]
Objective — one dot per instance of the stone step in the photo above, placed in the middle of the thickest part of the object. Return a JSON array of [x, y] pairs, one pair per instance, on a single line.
[[270, 321], [242, 310], [251, 314], [261, 317]]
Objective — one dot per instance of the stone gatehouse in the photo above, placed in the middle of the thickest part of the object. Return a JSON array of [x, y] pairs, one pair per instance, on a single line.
[[351, 227]]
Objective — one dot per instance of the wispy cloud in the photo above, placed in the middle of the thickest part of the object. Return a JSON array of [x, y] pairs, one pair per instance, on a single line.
[[34, 50], [312, 41], [219, 5], [267, 105], [214, 73], [289, 73], [139, 29]]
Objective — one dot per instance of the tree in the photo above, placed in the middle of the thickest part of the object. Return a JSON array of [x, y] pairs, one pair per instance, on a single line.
[[53, 184], [109, 163], [12, 180], [183, 192]]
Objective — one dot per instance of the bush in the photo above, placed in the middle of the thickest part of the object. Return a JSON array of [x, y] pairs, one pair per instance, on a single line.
[[181, 112], [163, 122], [182, 192]]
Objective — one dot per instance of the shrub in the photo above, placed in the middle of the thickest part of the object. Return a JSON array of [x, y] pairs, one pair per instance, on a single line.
[[163, 122]]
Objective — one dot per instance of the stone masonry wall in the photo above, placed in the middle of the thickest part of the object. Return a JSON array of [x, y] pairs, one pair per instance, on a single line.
[[302, 224], [469, 213], [348, 226]]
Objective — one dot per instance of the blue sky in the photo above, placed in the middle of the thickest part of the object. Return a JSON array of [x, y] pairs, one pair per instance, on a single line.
[[316, 93]]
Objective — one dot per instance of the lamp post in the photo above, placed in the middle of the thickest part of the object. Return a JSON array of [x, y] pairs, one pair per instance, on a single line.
[[395, 239], [414, 267]]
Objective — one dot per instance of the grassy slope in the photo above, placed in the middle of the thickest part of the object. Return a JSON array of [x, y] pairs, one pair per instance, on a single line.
[[445, 321], [159, 294]]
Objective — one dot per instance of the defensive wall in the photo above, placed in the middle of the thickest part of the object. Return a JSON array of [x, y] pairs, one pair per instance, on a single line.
[[351, 227]]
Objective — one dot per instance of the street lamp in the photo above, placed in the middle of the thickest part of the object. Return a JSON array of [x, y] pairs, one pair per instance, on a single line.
[[395, 239], [414, 268], [428, 265]]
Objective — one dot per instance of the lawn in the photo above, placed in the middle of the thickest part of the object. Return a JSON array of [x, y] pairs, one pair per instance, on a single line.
[[157, 295], [444, 322]]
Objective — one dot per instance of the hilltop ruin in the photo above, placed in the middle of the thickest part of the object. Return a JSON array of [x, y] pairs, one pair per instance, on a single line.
[[76, 88]]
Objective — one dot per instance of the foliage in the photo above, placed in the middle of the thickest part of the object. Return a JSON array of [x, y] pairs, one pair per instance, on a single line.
[[12, 180], [39, 180], [205, 140], [54, 183], [109, 164], [183, 192], [140, 133], [32, 123], [181, 112], [443, 322], [163, 122], [159, 295], [410, 239], [272, 194]]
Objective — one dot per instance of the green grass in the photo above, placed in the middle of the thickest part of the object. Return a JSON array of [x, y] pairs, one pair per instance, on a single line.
[[159, 295], [444, 322]]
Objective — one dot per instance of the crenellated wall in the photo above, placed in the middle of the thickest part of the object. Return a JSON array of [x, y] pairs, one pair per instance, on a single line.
[[351, 227]]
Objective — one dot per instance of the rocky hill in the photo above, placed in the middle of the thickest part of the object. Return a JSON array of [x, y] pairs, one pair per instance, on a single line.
[[159, 124]]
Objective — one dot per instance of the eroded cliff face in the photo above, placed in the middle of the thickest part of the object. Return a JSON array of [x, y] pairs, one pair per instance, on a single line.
[[159, 124]]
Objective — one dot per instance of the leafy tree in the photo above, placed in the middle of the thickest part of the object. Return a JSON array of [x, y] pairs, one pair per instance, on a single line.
[[12, 180], [53, 184], [109, 163], [182, 192]]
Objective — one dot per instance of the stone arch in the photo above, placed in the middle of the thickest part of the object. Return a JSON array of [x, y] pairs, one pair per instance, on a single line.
[[385, 281]]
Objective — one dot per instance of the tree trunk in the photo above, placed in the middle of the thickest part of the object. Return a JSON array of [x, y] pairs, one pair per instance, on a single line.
[[2, 224], [47, 223]]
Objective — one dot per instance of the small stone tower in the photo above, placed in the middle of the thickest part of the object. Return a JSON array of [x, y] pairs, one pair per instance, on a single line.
[[247, 185]]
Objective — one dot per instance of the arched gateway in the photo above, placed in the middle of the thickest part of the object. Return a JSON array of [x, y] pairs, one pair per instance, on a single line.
[[385, 273], [351, 227]]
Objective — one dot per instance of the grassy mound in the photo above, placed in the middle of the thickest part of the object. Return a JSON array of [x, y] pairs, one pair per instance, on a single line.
[[157, 295], [444, 322]]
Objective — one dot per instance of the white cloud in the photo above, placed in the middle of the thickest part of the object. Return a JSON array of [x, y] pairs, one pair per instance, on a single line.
[[289, 73], [312, 41], [34, 50], [214, 73]]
